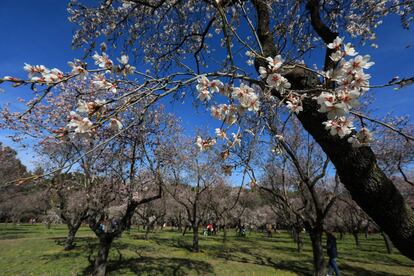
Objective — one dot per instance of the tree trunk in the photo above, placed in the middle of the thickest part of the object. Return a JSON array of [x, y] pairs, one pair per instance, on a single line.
[[388, 243], [356, 238], [366, 230], [70, 239], [147, 230], [317, 250], [299, 241], [224, 233], [293, 234], [195, 247], [357, 168], [102, 258]]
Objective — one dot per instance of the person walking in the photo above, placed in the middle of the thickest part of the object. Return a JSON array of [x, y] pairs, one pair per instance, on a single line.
[[332, 254]]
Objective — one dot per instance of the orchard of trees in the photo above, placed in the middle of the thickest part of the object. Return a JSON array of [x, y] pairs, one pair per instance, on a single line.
[[297, 146]]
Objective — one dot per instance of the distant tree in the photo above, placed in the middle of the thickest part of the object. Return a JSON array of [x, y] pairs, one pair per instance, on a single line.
[[196, 45], [297, 181], [12, 169], [192, 174]]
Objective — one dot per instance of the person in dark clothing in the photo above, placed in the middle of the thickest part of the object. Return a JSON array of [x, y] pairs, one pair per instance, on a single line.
[[332, 254]]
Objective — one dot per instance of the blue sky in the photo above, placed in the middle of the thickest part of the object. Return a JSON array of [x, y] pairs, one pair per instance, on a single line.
[[38, 32]]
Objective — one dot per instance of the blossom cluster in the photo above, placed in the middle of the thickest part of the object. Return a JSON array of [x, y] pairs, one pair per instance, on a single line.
[[225, 112], [272, 74], [80, 121], [274, 79], [235, 141], [206, 88], [247, 98], [41, 74], [351, 83], [245, 94], [205, 144]]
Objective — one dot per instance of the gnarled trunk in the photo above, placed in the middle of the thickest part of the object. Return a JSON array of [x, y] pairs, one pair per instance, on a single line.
[[195, 247], [388, 243], [356, 238], [102, 258], [70, 239], [315, 235], [367, 183], [357, 168], [299, 241], [224, 233]]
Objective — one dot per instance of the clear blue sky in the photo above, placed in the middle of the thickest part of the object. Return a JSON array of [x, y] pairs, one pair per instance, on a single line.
[[38, 32]]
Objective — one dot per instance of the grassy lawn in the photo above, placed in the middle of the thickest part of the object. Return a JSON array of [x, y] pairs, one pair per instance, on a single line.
[[35, 250]]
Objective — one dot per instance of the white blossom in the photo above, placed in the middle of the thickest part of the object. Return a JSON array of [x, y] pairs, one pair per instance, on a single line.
[[102, 61], [349, 50], [204, 145], [359, 63], [336, 44], [220, 133], [275, 63], [100, 82], [341, 126], [294, 103], [77, 67], [35, 69], [262, 72], [278, 82], [79, 124]]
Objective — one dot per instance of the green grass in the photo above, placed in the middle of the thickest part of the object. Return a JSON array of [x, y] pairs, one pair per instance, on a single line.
[[35, 250]]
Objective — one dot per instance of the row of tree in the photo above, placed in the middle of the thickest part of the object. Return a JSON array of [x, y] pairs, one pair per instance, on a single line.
[[152, 175]]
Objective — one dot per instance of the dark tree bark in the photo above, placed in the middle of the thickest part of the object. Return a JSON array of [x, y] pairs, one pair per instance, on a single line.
[[367, 183], [115, 230], [357, 168], [299, 241], [147, 230], [105, 243], [224, 233], [179, 221], [388, 243], [185, 230], [195, 247], [315, 235], [356, 237], [296, 235], [70, 239]]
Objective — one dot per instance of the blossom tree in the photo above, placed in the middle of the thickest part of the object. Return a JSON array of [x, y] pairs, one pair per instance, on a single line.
[[135, 177], [197, 44], [192, 174], [296, 178]]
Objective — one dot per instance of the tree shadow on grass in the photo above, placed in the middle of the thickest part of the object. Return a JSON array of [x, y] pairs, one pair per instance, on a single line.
[[180, 243], [12, 233], [373, 257], [80, 242], [156, 266], [356, 270]]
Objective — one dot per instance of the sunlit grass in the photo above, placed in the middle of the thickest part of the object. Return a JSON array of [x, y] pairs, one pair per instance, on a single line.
[[35, 250]]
